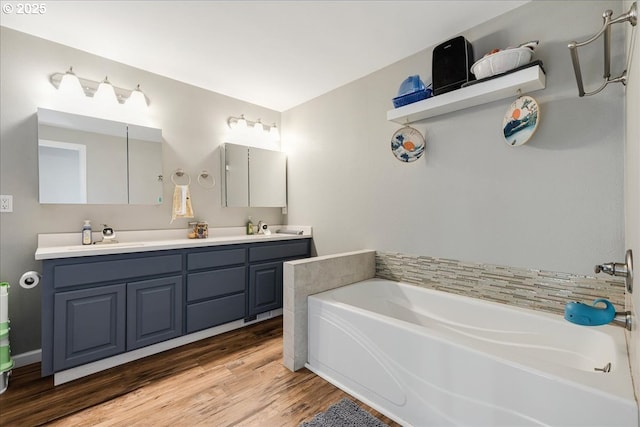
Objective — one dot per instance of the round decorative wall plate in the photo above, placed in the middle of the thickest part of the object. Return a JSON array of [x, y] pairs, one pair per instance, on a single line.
[[407, 144], [521, 121]]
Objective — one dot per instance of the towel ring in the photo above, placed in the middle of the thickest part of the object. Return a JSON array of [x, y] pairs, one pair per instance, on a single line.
[[202, 180], [179, 173]]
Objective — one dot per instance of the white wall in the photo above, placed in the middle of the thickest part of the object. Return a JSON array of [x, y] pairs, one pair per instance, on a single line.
[[632, 194], [555, 203], [193, 122]]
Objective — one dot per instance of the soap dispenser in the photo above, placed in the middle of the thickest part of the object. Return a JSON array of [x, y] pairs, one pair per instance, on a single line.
[[86, 233], [250, 229]]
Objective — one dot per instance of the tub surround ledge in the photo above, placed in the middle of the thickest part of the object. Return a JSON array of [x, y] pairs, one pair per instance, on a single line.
[[310, 276]]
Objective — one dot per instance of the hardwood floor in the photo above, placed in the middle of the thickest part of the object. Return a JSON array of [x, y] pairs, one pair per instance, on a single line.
[[234, 379]]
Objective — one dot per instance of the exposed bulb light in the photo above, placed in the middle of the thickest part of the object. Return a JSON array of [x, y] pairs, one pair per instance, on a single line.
[[274, 133], [246, 131], [105, 93], [70, 85], [102, 92], [137, 99], [241, 123], [258, 128]]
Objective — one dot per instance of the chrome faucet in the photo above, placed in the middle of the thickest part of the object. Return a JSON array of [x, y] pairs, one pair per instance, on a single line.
[[619, 269], [612, 269], [623, 318]]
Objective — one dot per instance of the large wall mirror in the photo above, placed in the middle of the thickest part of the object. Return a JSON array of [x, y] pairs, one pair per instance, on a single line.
[[85, 160], [253, 177]]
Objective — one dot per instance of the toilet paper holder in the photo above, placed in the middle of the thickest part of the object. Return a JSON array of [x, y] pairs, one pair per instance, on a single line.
[[29, 280]]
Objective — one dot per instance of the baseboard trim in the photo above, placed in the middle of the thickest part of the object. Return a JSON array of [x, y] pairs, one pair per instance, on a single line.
[[24, 359]]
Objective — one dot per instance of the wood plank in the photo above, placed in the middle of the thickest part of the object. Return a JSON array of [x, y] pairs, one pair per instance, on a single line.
[[233, 379]]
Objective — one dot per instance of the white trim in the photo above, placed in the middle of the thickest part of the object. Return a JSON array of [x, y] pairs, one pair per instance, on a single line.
[[24, 359]]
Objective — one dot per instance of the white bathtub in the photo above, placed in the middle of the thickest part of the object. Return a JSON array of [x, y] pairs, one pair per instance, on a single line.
[[429, 358]]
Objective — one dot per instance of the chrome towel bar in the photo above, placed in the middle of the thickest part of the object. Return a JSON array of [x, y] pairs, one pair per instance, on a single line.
[[632, 17]]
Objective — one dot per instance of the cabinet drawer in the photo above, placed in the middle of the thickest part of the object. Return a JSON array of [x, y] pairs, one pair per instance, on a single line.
[[298, 248], [215, 312], [85, 273], [210, 284], [216, 258]]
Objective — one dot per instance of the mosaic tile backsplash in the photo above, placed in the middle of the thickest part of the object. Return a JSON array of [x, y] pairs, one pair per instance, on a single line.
[[534, 289]]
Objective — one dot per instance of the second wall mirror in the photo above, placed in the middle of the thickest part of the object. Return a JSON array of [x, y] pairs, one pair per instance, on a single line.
[[253, 177]]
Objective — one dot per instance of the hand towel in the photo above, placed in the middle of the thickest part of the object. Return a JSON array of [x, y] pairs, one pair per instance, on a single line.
[[181, 203]]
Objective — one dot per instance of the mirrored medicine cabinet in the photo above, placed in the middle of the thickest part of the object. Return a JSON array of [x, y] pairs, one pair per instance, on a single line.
[[86, 160], [253, 177]]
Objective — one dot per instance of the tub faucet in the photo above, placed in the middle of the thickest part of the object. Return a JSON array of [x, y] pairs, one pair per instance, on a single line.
[[612, 269], [623, 318], [622, 269]]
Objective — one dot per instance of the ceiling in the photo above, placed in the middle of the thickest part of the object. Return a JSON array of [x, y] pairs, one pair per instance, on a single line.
[[277, 54]]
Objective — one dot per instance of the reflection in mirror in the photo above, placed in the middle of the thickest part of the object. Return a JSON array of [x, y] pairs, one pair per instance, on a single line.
[[145, 165], [63, 172], [88, 160], [236, 171], [267, 178], [253, 177]]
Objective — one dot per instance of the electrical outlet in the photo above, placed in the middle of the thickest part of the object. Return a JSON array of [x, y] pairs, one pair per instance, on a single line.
[[6, 203]]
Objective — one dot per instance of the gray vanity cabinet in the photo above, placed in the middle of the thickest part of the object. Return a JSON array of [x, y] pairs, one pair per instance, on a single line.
[[94, 307], [265, 274], [265, 288], [89, 325], [154, 311], [216, 284], [101, 306]]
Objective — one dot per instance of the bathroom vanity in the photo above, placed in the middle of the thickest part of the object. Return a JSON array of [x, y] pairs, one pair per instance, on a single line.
[[119, 302]]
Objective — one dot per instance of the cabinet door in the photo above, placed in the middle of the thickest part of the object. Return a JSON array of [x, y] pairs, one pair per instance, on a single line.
[[154, 311], [265, 287], [235, 166], [89, 325], [267, 178]]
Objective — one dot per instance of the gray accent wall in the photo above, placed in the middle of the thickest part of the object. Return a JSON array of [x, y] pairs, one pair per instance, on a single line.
[[193, 123], [553, 204]]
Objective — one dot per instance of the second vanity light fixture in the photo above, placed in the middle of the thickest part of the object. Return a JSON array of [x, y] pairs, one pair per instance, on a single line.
[[73, 85], [258, 127]]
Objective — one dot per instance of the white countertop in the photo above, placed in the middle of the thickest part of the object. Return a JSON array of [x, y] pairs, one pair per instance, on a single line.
[[66, 245]]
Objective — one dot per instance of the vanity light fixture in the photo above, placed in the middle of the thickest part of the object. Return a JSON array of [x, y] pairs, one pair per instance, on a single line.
[[241, 122], [91, 88], [274, 133], [70, 84], [137, 99], [258, 126], [105, 93]]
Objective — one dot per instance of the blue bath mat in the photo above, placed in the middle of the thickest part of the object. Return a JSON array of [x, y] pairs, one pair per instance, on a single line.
[[345, 413]]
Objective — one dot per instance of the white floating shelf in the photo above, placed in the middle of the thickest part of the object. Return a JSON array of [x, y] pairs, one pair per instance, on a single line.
[[507, 86]]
